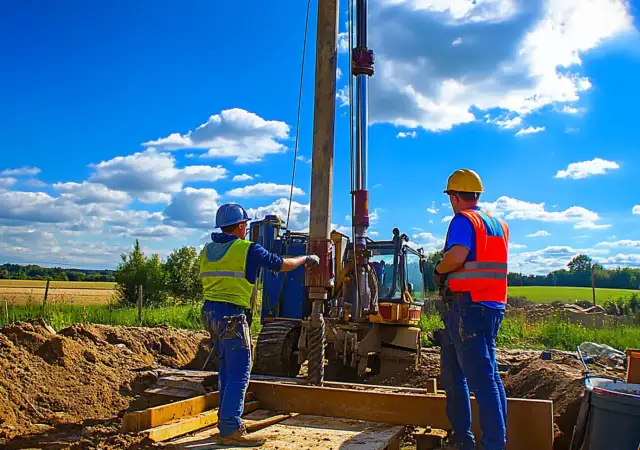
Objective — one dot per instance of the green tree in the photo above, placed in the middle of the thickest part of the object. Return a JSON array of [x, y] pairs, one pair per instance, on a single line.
[[4, 273], [155, 283], [183, 275], [580, 264], [131, 274]]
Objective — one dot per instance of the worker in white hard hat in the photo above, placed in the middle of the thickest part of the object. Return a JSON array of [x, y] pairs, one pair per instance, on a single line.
[[473, 275], [228, 269]]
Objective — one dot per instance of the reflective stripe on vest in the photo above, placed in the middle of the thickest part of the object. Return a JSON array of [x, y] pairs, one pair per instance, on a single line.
[[485, 278], [223, 279]]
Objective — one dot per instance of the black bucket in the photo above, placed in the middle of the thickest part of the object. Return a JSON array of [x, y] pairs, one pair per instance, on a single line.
[[613, 418]]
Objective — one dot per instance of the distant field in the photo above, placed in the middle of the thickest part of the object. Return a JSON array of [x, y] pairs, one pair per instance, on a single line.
[[20, 292], [548, 294]]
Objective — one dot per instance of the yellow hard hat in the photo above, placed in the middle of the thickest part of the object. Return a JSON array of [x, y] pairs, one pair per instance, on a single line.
[[464, 180]]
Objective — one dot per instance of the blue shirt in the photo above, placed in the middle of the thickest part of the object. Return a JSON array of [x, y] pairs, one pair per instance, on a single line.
[[257, 256], [461, 232]]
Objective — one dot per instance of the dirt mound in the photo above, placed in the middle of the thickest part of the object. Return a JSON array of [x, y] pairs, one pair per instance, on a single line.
[[558, 380], [519, 303], [83, 376]]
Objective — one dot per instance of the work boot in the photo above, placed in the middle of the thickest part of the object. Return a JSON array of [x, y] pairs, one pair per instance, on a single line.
[[241, 438]]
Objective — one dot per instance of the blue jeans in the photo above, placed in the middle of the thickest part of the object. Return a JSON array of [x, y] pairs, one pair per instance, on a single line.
[[227, 324], [468, 354]]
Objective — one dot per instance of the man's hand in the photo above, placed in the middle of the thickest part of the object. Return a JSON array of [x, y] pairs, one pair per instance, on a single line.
[[438, 278], [313, 260]]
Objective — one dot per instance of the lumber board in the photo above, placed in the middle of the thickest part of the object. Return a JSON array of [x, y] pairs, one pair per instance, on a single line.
[[188, 425], [304, 431], [170, 392], [529, 422]]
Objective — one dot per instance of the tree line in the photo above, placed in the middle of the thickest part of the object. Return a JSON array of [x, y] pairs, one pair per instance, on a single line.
[[35, 272], [579, 274]]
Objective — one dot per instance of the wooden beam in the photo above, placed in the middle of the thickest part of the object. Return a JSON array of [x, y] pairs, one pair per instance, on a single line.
[[529, 427], [160, 415], [184, 426], [255, 425]]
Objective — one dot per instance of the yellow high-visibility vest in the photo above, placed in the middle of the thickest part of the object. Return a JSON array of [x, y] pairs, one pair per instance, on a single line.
[[222, 270]]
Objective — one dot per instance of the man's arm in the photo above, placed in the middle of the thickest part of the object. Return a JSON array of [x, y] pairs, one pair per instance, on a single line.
[[263, 258], [293, 263], [459, 242]]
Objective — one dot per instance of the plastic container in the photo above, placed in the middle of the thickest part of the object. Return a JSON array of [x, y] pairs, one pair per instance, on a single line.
[[633, 365], [614, 419]]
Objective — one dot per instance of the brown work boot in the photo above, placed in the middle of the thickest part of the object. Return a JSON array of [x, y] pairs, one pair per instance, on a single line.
[[241, 438]]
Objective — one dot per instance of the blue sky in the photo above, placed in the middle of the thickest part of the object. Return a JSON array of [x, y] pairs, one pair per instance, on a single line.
[[124, 120]]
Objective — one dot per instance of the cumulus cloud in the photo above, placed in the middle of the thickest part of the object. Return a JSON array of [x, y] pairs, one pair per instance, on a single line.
[[632, 260], [592, 226], [628, 243], [636, 210], [243, 177], [513, 209], [38, 207], [432, 209], [151, 175], [7, 182], [530, 130], [298, 221], [512, 55], [541, 233], [507, 124], [515, 246], [156, 232], [195, 208], [428, 239], [446, 219], [85, 193], [407, 134], [571, 110], [21, 171], [549, 258], [584, 169], [234, 133], [264, 190]]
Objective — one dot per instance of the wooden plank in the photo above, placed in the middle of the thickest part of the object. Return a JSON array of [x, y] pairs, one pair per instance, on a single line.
[[529, 427], [171, 392], [195, 386], [160, 415], [252, 426], [188, 425], [304, 431]]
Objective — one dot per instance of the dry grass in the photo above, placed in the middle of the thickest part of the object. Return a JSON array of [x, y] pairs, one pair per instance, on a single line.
[[22, 292]]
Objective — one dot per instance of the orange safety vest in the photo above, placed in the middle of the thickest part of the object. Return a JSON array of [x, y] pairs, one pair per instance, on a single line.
[[485, 278]]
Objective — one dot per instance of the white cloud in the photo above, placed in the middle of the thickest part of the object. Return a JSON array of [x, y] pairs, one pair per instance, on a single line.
[[38, 207], [243, 177], [622, 243], [530, 130], [432, 209], [571, 110], [156, 232], [517, 246], [34, 182], [194, 208], [458, 41], [377, 186], [264, 190], [407, 134], [150, 173], [21, 171], [338, 73], [85, 193], [513, 209], [507, 124], [446, 219], [541, 233], [636, 210], [591, 226], [343, 96], [304, 159], [632, 260], [7, 182], [570, 130], [547, 259], [234, 133], [517, 56], [584, 169], [374, 233], [298, 221], [428, 239]]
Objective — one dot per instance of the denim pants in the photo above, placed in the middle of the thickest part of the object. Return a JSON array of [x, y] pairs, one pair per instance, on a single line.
[[229, 329], [468, 355]]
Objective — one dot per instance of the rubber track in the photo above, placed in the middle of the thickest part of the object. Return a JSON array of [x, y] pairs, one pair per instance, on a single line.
[[269, 348]]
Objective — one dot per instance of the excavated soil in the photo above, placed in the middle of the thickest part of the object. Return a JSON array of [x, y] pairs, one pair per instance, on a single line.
[[68, 390]]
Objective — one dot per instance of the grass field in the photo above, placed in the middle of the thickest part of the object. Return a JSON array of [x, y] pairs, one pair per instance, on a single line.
[[548, 294], [21, 292]]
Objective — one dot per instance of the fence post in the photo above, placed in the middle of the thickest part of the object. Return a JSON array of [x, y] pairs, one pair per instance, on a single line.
[[593, 285], [6, 310], [46, 293], [140, 303]]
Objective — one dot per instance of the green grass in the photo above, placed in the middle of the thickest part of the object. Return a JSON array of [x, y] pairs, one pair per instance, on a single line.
[[58, 284], [548, 294], [518, 333]]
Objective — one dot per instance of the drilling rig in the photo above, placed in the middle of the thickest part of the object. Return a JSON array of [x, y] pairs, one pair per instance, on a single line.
[[359, 309]]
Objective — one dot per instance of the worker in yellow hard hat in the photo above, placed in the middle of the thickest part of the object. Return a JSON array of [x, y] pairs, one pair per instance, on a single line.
[[473, 277]]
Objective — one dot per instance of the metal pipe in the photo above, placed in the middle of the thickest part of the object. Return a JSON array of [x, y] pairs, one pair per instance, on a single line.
[[362, 83]]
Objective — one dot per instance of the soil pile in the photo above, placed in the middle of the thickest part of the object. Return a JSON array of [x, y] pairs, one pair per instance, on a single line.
[[83, 376], [559, 380]]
